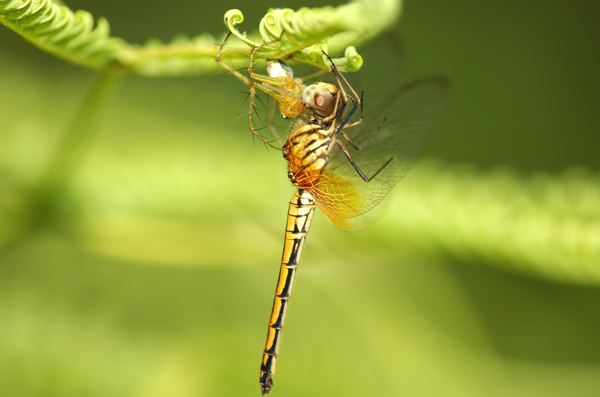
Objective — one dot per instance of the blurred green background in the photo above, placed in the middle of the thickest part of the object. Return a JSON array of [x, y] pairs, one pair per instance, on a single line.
[[155, 275]]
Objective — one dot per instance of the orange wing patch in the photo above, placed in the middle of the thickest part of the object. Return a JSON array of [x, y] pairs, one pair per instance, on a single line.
[[338, 198]]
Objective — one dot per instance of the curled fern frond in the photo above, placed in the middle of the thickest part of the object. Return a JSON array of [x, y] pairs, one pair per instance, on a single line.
[[299, 35], [62, 32], [302, 35]]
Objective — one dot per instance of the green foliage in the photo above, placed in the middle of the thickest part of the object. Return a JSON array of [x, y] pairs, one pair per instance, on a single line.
[[542, 225], [139, 246], [61, 32], [73, 37], [545, 226], [302, 35]]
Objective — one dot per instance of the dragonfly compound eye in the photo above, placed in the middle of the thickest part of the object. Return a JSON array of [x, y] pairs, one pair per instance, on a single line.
[[319, 98]]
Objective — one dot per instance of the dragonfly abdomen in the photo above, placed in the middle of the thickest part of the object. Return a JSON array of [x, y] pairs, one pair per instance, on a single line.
[[300, 214]]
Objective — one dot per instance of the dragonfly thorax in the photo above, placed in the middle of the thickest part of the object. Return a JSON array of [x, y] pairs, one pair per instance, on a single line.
[[307, 152]]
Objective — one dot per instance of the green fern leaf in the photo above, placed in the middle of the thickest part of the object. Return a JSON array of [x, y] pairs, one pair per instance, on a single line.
[[62, 32]]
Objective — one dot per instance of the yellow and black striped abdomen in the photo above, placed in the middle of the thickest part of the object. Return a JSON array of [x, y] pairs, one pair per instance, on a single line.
[[300, 214]]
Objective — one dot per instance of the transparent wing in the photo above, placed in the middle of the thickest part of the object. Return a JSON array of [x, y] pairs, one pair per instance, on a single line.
[[404, 120]]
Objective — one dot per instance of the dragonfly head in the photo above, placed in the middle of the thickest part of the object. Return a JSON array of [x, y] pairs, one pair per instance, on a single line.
[[320, 97]]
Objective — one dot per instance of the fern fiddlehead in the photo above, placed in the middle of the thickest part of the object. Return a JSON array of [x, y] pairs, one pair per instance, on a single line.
[[300, 35]]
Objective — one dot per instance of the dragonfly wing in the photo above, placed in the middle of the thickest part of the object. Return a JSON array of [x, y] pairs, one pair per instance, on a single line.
[[403, 124]]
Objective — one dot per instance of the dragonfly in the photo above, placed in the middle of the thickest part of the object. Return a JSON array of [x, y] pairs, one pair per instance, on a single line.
[[343, 157]]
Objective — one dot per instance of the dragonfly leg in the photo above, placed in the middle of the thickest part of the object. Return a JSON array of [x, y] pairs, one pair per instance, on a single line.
[[356, 98], [362, 113], [355, 145], [344, 124], [362, 175], [348, 116]]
